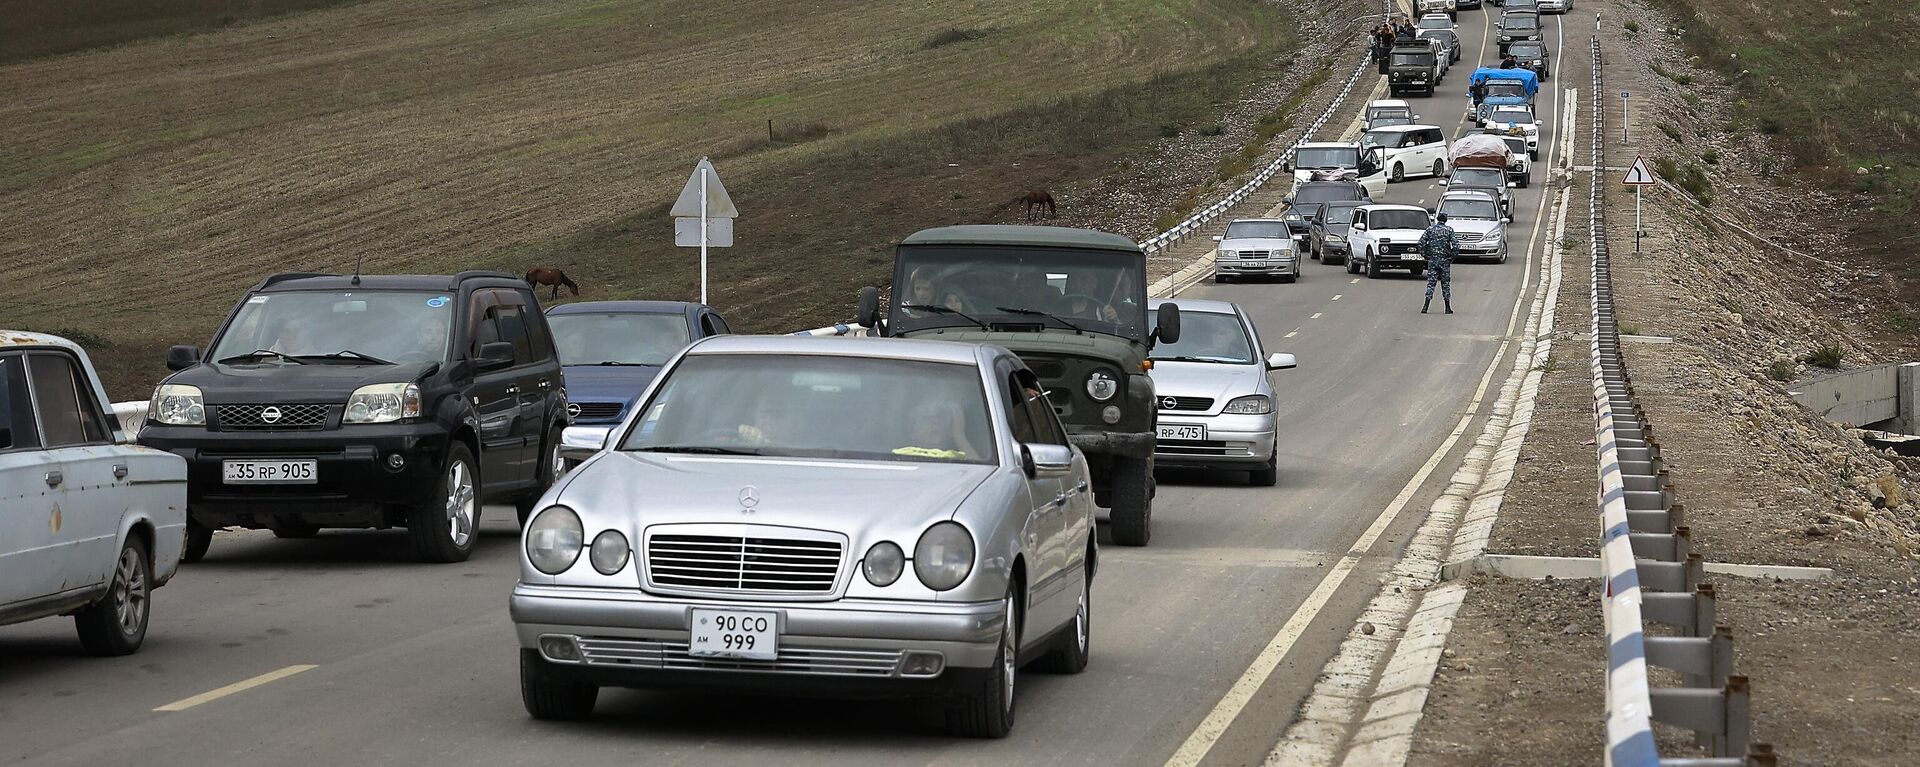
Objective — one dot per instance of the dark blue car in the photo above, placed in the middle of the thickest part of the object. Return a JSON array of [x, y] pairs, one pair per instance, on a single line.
[[611, 350]]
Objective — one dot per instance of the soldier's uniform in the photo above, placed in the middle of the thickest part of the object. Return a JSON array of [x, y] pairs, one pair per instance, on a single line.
[[1440, 245]]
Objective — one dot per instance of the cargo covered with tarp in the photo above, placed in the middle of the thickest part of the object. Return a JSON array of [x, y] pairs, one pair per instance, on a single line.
[[1480, 150]]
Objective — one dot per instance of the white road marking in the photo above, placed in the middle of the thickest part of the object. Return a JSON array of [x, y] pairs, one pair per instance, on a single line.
[[1354, 281], [240, 686], [1337, 296], [1316, 315], [1208, 732], [1295, 332]]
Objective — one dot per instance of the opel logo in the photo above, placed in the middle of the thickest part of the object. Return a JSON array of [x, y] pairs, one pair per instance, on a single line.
[[749, 497], [1168, 403], [270, 414], [573, 410]]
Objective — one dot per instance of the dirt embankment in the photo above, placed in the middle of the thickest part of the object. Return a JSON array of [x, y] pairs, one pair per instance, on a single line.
[[1764, 481]]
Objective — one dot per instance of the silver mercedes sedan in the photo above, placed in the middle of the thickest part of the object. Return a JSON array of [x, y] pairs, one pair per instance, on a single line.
[[832, 516], [1216, 405]]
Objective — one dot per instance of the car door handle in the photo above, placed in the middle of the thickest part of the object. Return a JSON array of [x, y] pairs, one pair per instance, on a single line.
[[513, 390], [54, 478], [119, 471], [544, 383]]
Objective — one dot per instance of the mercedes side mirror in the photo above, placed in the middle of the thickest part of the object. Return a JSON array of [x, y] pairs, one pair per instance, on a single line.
[[1219, 238], [1279, 361], [578, 443], [1167, 329], [1044, 460], [182, 356], [494, 356], [868, 313]]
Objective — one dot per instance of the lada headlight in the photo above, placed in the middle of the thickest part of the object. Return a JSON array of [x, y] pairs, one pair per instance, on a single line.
[[1101, 385], [177, 405], [554, 539], [944, 556], [383, 403]]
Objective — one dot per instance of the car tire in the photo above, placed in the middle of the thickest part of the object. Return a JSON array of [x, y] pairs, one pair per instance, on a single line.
[[550, 470], [1419, 271], [1399, 173], [1503, 256], [1439, 168], [1313, 251], [1219, 279], [117, 624], [550, 699], [1533, 154], [199, 539], [1132, 494], [986, 711], [1373, 268], [1075, 646], [1353, 267], [446, 528], [1269, 475]]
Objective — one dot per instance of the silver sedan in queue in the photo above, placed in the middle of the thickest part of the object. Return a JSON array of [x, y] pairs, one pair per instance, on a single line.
[[1216, 405], [833, 516]]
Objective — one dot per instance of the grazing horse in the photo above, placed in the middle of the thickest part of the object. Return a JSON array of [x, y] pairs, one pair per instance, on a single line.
[[547, 275], [1035, 199]]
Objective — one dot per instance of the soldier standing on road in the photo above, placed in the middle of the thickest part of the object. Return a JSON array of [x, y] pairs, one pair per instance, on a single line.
[[1440, 245]]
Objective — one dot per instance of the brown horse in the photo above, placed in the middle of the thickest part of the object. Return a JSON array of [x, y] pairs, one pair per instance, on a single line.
[[547, 275], [1035, 199]]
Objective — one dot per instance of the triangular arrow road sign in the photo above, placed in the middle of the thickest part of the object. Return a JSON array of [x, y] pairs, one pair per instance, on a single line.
[[1638, 175], [719, 205]]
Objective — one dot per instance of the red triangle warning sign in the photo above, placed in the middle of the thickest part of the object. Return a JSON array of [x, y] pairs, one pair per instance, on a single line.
[[1639, 175]]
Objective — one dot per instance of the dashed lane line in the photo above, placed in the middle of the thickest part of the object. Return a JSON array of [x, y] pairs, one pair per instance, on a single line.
[[237, 687], [1337, 296], [1316, 315]]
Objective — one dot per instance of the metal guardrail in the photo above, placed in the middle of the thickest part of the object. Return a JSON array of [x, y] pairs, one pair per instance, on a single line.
[[1650, 572]]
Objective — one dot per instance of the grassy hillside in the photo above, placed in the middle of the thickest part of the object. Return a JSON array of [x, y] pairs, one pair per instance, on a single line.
[[1837, 82], [146, 185], [35, 28]]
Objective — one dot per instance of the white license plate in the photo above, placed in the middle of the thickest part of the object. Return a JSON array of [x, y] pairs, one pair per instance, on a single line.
[[288, 471], [1182, 431], [746, 634]]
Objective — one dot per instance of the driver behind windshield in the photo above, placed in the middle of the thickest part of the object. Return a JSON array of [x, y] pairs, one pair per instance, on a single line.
[[1082, 299]]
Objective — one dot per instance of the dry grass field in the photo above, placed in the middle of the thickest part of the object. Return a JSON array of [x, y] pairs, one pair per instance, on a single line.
[[146, 185]]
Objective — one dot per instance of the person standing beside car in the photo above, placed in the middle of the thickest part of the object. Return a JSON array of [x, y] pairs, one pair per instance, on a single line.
[[1441, 246]]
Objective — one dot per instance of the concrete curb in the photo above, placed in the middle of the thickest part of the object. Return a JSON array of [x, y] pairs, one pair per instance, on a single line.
[[1362, 714]]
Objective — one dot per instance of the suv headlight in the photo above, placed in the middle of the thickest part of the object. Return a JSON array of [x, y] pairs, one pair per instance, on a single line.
[[1252, 404], [554, 540], [944, 556], [1101, 385], [177, 405], [383, 403]]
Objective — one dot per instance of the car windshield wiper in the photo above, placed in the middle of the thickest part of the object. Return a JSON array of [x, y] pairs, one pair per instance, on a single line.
[[347, 354], [697, 449], [261, 354], [1038, 313], [938, 309], [1191, 358]]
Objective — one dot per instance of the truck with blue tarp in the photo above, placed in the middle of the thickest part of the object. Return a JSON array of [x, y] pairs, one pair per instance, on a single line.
[[1501, 87]]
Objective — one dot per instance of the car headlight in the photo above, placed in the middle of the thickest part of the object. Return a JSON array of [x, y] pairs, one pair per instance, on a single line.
[[884, 563], [554, 539], [609, 552], [1335, 238], [383, 403], [944, 556], [1252, 404], [1101, 385], [177, 405], [1293, 217], [1229, 254]]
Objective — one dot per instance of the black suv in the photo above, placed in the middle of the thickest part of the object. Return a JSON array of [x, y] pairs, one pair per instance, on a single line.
[[366, 401]]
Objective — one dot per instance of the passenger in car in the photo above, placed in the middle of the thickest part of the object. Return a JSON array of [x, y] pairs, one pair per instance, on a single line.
[[937, 429]]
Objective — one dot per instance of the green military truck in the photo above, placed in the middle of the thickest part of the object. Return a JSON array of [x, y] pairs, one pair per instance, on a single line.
[[1072, 304]]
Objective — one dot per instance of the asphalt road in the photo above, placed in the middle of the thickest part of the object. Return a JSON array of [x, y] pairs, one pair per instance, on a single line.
[[384, 661]]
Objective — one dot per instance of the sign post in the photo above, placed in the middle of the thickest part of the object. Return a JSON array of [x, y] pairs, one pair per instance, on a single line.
[[1624, 97], [703, 216], [1638, 177]]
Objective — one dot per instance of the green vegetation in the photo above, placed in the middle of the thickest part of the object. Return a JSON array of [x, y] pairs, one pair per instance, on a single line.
[[1781, 370], [1691, 177], [1672, 132], [1629, 329], [1213, 130], [1631, 26], [1710, 157], [1677, 77], [1827, 356]]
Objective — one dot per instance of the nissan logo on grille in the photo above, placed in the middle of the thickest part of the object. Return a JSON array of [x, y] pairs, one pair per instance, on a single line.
[[270, 414]]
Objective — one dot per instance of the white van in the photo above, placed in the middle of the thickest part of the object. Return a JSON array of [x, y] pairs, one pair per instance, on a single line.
[[1411, 150]]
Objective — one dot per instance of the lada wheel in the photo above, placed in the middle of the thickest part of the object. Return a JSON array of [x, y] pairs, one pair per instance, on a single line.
[[1075, 646], [1373, 267], [552, 699], [1353, 267], [446, 527], [986, 711], [117, 623], [199, 538], [1132, 494]]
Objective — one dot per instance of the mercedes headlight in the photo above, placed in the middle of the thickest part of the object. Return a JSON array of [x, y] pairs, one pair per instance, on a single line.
[[1252, 404], [944, 556], [383, 403], [884, 563], [1101, 385], [177, 405], [609, 552], [554, 539], [1229, 254], [1293, 217]]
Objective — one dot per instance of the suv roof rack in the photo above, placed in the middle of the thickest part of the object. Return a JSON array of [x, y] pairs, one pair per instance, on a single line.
[[285, 276]]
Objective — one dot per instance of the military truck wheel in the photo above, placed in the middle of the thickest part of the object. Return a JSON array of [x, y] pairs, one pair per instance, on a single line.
[[1132, 496]]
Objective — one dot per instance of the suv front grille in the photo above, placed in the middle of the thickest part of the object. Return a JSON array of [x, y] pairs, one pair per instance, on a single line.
[[1186, 403], [744, 564], [271, 417]]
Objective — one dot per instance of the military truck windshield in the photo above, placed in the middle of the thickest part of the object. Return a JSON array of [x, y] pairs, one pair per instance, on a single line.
[[1392, 219], [1476, 208], [1326, 157], [373, 326], [1097, 291], [1257, 230], [1412, 58], [617, 338]]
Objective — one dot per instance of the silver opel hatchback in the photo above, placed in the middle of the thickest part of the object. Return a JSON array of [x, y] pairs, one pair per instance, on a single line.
[[831, 516]]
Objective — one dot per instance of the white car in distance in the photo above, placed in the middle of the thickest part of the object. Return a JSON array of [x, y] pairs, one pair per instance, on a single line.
[[1410, 150], [1386, 237], [1477, 223], [1256, 247], [1503, 119]]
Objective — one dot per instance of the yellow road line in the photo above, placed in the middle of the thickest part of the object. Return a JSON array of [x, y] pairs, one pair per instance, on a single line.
[[240, 686]]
